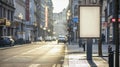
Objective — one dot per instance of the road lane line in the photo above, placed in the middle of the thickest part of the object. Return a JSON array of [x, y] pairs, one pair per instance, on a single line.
[[35, 49], [34, 65], [58, 65], [54, 65]]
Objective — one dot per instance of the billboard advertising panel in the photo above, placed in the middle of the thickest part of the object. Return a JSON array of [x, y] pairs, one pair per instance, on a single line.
[[89, 21]]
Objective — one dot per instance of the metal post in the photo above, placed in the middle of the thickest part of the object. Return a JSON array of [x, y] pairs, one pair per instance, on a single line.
[[100, 42], [116, 13], [111, 59], [89, 49]]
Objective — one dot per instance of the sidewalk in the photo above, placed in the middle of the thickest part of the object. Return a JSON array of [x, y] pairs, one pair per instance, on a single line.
[[76, 57]]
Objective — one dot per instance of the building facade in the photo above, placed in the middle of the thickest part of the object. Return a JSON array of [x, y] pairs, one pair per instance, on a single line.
[[60, 23], [44, 11], [50, 17], [6, 17], [73, 13], [19, 19], [110, 14]]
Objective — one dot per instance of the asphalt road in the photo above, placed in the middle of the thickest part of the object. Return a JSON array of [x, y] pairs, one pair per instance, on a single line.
[[49, 54]]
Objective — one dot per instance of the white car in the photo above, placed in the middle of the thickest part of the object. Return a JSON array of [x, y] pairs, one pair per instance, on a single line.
[[39, 39], [48, 38], [62, 39]]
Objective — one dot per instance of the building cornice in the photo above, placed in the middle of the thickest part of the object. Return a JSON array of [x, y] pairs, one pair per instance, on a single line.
[[21, 2], [7, 5]]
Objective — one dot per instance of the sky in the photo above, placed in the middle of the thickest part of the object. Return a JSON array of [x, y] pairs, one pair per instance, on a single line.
[[59, 5]]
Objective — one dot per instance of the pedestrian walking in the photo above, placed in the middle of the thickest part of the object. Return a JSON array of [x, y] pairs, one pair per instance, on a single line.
[[103, 38], [80, 42], [69, 39], [109, 48], [83, 46]]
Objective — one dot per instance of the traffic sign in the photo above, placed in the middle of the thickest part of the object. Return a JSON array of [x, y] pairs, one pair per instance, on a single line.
[[75, 20]]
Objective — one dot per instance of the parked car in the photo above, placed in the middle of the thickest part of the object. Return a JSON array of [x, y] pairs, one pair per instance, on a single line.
[[62, 39], [6, 40], [21, 41]]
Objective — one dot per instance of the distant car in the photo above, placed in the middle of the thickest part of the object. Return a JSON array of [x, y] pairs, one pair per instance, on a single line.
[[54, 38], [39, 39], [6, 40], [48, 38], [62, 39]]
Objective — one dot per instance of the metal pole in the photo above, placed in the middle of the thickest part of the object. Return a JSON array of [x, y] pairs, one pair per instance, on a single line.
[[116, 32], [100, 41], [89, 49]]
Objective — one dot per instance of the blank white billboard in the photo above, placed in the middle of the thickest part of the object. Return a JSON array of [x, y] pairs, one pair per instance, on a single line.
[[89, 21]]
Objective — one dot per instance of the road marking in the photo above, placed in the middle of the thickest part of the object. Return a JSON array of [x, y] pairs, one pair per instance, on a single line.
[[34, 65], [35, 49], [58, 65], [54, 65], [8, 59]]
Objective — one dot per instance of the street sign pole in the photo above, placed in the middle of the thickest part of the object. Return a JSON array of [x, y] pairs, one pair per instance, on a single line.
[[116, 14]]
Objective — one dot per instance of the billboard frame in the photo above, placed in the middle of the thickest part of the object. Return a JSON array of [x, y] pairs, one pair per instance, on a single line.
[[86, 37]]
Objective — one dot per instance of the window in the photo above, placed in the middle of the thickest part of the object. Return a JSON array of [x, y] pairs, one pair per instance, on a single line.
[[12, 16], [119, 7], [93, 1], [75, 10], [110, 8], [8, 14], [4, 12]]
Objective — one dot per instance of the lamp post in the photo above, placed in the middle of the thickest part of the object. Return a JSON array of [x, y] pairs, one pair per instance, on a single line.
[[44, 32], [35, 35], [116, 15], [48, 31], [100, 41], [21, 25], [68, 19], [54, 33]]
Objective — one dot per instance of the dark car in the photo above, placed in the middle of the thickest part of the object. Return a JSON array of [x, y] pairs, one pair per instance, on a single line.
[[6, 40]]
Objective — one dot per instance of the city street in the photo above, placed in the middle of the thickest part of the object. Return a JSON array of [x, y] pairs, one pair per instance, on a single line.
[[48, 54], [59, 33]]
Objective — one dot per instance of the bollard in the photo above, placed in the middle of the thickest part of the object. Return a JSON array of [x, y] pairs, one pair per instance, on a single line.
[[111, 59]]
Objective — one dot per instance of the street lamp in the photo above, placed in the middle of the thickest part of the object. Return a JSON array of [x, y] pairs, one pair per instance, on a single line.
[[35, 30], [35, 24], [41, 26], [49, 30], [44, 28], [54, 32], [21, 26], [44, 32], [68, 14]]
